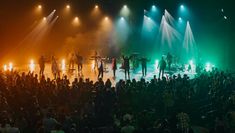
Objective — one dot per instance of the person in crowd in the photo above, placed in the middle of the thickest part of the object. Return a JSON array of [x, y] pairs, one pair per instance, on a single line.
[[32, 104]]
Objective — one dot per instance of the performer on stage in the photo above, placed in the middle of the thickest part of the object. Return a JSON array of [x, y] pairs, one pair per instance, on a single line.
[[144, 61], [114, 66], [101, 69], [126, 66], [41, 65], [96, 60], [189, 68], [162, 66], [72, 62], [169, 60], [54, 68], [79, 64]]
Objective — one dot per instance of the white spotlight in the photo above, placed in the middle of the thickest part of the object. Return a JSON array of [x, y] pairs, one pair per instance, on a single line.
[[225, 17], [39, 6], [68, 6]]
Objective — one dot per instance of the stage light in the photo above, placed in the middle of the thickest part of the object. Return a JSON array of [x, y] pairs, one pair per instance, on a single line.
[[156, 64], [182, 7], [68, 6], [208, 67], [5, 67], [76, 21], [63, 65], [93, 65], [145, 12], [39, 6], [154, 8], [54, 10], [106, 18], [44, 18], [191, 62], [180, 20], [222, 10], [95, 13], [10, 66], [31, 66], [122, 30], [125, 11], [225, 17]]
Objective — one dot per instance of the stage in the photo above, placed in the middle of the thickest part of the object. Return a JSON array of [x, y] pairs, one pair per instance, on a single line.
[[89, 72]]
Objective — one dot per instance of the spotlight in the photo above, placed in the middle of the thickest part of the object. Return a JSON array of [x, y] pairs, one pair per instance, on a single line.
[[191, 62], [122, 18], [156, 64], [68, 6], [54, 10], [44, 18], [10, 66], [222, 10], [225, 17], [32, 65], [106, 18], [154, 8], [125, 6], [63, 65], [76, 21], [180, 19], [96, 6], [182, 7], [5, 67], [39, 6], [208, 67]]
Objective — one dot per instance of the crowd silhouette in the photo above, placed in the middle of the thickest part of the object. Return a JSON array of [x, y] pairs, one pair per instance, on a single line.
[[31, 103]]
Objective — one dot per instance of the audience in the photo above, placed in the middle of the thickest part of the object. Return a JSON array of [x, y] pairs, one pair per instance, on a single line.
[[169, 105]]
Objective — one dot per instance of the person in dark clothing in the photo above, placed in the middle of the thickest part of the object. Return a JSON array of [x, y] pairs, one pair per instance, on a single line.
[[126, 66], [114, 66], [144, 65], [41, 65], [162, 66], [101, 69]]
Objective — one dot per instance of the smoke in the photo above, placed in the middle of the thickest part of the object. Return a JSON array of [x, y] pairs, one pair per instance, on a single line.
[[101, 40]]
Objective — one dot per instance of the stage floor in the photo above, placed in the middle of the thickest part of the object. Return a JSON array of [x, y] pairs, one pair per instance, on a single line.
[[88, 72]]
